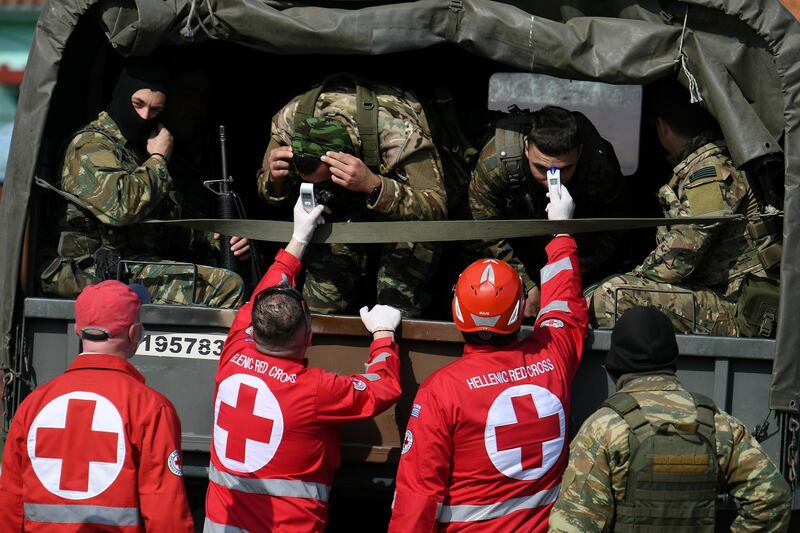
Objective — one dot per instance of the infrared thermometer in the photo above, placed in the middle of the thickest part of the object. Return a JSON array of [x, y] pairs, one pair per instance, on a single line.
[[307, 196], [554, 183]]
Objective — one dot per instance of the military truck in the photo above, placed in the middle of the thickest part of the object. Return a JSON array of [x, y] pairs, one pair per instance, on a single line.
[[738, 57]]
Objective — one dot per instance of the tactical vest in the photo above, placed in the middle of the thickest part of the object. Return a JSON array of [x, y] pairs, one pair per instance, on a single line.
[[672, 471], [366, 115]]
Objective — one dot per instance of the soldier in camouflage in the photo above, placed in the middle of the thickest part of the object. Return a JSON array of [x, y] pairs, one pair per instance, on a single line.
[[694, 273], [599, 489], [328, 149], [553, 137], [116, 170]]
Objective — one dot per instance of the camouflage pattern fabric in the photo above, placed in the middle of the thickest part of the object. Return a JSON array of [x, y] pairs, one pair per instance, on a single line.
[[316, 136], [595, 478], [597, 188], [411, 189], [335, 275], [692, 310], [118, 188], [709, 261]]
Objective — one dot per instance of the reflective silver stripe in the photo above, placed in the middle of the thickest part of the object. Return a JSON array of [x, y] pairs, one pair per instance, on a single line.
[[370, 377], [549, 271], [82, 514], [490, 321], [380, 358], [291, 488], [212, 527], [555, 305], [474, 513]]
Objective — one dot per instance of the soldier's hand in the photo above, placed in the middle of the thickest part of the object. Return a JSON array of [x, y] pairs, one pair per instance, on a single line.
[[350, 172], [160, 142], [279, 161], [240, 247], [532, 302]]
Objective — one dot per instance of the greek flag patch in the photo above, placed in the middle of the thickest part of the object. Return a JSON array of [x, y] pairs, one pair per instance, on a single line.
[[415, 409], [705, 172]]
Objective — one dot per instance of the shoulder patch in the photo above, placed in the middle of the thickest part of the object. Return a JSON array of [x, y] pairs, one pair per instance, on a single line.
[[408, 442], [174, 463], [705, 172], [552, 323]]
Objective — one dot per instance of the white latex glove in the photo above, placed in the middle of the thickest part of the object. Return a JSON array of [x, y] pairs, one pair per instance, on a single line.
[[306, 223], [560, 208], [380, 318]]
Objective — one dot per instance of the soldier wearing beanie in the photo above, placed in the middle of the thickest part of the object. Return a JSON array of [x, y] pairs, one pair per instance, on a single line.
[[368, 151], [655, 455]]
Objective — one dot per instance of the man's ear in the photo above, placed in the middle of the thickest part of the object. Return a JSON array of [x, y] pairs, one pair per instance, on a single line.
[[525, 146], [661, 126], [135, 333]]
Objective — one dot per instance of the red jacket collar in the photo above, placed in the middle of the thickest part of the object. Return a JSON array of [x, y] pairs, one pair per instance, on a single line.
[[473, 349], [105, 362]]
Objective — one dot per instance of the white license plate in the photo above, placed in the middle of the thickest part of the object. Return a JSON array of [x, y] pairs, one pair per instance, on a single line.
[[187, 345]]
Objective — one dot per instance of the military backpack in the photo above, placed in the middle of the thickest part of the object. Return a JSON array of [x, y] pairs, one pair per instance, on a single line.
[[672, 471]]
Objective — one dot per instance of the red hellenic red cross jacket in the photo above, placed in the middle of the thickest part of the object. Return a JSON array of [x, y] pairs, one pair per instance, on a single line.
[[485, 446], [94, 450], [276, 427]]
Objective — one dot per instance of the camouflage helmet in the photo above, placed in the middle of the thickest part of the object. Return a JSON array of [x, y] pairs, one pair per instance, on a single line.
[[315, 136]]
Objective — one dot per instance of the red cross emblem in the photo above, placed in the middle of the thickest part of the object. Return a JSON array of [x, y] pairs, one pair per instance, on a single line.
[[242, 424], [529, 432], [248, 423], [76, 445], [525, 430]]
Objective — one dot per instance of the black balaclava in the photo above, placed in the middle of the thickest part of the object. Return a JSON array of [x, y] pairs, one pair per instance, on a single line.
[[139, 73], [643, 340]]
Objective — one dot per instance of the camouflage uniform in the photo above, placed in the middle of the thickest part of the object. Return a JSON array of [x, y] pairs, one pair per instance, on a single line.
[[595, 478], [597, 188], [695, 271], [411, 189], [118, 190]]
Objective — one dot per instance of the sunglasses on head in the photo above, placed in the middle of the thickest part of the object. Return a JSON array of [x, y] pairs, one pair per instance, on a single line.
[[292, 293]]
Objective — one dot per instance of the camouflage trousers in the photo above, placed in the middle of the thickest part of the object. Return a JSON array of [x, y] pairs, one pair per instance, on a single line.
[[168, 282], [691, 310], [335, 276]]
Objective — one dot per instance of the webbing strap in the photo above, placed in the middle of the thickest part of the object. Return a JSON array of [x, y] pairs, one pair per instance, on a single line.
[[508, 142], [367, 122], [412, 231], [705, 415], [428, 230], [305, 106], [628, 408]]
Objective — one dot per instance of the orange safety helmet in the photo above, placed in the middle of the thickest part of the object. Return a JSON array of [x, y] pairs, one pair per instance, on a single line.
[[488, 296]]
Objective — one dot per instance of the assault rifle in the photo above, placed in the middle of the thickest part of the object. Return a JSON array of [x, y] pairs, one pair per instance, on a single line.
[[226, 202]]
